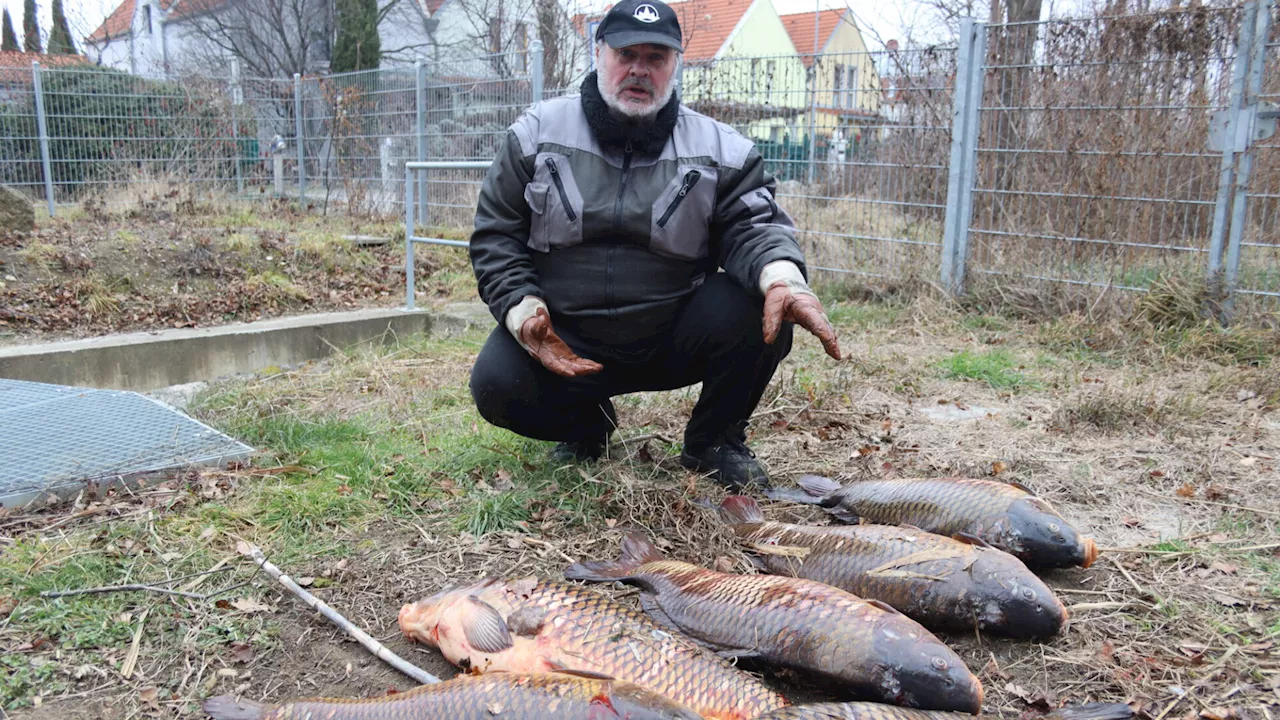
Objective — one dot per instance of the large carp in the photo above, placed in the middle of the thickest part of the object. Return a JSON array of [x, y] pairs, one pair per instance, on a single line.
[[1005, 515], [508, 696], [532, 625], [941, 582], [866, 648], [877, 711]]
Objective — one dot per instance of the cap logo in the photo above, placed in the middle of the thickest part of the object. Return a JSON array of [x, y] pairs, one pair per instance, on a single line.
[[646, 14]]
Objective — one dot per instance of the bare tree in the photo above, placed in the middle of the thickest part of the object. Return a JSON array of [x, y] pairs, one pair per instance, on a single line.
[[504, 29], [270, 38]]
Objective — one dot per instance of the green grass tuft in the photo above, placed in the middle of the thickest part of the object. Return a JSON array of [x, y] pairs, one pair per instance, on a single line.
[[996, 368]]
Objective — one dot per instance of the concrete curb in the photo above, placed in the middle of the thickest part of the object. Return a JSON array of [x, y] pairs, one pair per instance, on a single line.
[[150, 360]]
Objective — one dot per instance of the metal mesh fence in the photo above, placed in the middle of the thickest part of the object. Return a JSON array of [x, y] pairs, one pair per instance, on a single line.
[[1259, 268], [1094, 165]]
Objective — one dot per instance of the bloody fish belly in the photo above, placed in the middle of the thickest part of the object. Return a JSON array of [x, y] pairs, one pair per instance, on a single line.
[[530, 625], [475, 697], [877, 711], [866, 647], [941, 582], [1005, 515]]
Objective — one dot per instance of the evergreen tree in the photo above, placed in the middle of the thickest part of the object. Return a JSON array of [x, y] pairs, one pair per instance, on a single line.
[[60, 42], [9, 43], [31, 28], [358, 46]]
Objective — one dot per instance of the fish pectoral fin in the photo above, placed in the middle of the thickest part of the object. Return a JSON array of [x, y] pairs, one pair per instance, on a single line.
[[649, 603], [527, 621], [970, 539], [563, 669], [738, 653], [844, 514], [484, 628], [1021, 487], [884, 606]]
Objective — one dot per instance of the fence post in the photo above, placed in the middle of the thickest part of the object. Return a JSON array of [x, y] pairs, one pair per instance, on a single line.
[[421, 128], [962, 171], [408, 239], [535, 70], [237, 99], [1232, 143], [42, 127], [1240, 200], [301, 137]]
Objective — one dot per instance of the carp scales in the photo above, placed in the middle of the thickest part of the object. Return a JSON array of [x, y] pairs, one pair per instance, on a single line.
[[1005, 515], [508, 696], [862, 646], [940, 582], [878, 711], [532, 625]]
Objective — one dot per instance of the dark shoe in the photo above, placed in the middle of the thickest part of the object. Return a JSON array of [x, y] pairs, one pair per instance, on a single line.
[[729, 462], [578, 451]]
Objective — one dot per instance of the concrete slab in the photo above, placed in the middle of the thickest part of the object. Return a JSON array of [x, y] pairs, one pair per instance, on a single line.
[[145, 361], [952, 413]]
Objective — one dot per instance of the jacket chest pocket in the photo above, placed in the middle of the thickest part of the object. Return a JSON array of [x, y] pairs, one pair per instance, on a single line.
[[681, 216], [555, 202]]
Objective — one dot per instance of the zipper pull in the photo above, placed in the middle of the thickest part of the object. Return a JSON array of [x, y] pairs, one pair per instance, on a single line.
[[551, 165], [628, 150]]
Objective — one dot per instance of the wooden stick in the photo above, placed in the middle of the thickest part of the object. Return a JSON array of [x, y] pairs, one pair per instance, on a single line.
[[131, 659], [373, 646], [121, 588], [1082, 607], [1129, 577]]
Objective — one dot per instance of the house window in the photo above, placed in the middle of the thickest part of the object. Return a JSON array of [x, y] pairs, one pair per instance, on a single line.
[[851, 88], [146, 19], [495, 34], [770, 68], [755, 79], [836, 80]]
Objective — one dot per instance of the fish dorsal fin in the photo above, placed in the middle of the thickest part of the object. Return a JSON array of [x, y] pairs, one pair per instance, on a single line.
[[970, 539], [1022, 487], [817, 485], [484, 627], [527, 621], [884, 606]]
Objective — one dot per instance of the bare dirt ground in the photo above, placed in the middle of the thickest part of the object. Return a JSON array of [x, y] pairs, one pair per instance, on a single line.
[[378, 483], [166, 261]]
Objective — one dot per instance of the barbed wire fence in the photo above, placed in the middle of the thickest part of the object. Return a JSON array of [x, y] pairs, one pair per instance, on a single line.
[[1102, 152]]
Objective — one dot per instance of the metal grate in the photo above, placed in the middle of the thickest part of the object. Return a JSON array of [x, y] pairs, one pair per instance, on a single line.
[[54, 439]]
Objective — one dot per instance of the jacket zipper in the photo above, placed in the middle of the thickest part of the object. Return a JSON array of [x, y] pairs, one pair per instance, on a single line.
[[564, 196], [622, 188], [690, 179]]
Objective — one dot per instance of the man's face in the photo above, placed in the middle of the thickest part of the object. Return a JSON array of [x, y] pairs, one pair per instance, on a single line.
[[636, 80]]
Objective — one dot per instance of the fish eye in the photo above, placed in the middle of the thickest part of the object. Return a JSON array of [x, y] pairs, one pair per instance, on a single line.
[[1028, 593], [938, 663]]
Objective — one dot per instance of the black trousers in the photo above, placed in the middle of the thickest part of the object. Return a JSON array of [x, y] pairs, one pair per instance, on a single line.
[[716, 339]]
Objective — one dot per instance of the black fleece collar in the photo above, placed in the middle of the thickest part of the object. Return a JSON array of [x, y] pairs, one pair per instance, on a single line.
[[645, 140]]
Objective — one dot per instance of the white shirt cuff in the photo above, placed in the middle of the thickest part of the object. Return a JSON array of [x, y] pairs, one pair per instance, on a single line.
[[516, 316], [787, 272]]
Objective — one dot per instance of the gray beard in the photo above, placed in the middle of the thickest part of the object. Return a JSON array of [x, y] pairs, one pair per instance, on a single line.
[[626, 112]]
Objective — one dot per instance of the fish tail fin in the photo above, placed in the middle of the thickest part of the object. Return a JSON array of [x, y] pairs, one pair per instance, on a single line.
[[737, 509], [636, 551], [1093, 711], [226, 707], [817, 486]]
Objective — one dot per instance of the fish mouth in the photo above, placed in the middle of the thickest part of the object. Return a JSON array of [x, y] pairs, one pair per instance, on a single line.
[[418, 621], [1090, 552]]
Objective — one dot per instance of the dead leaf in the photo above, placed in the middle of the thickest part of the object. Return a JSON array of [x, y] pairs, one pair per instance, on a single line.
[[150, 696], [887, 426], [344, 489], [241, 652], [7, 606], [503, 480], [610, 522], [249, 605], [1227, 600], [1132, 522], [1187, 490], [1217, 492], [1248, 461], [306, 581], [208, 533], [778, 424], [998, 467], [1218, 713], [1245, 394], [1107, 651], [723, 564], [1222, 567], [644, 454], [1156, 473], [866, 450]]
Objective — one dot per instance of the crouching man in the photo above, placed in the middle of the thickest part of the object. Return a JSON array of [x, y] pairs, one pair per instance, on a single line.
[[599, 235]]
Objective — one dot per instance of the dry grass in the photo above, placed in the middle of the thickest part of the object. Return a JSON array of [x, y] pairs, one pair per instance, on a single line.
[[410, 491]]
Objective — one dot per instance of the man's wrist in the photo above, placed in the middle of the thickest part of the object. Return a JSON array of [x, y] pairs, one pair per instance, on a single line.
[[517, 316], [787, 273]]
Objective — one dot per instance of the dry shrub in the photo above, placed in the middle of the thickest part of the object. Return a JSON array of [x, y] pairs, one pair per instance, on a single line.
[[1124, 412]]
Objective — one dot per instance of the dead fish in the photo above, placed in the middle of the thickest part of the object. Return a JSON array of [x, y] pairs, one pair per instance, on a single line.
[[941, 582], [864, 646], [878, 711], [532, 625], [1006, 515], [505, 696]]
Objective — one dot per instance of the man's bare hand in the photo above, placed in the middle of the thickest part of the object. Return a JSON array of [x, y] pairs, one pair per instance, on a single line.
[[802, 309], [551, 351]]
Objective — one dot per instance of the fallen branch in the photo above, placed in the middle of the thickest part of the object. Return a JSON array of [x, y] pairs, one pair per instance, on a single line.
[[1142, 592], [645, 438], [121, 588], [379, 651], [1246, 508], [1085, 607]]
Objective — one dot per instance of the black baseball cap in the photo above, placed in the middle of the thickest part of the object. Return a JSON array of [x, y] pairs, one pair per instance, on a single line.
[[636, 22]]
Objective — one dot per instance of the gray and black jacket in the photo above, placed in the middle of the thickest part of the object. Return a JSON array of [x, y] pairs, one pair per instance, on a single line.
[[614, 236]]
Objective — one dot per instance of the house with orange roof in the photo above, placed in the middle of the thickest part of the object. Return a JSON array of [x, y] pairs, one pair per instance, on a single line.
[[163, 37], [844, 76], [15, 71]]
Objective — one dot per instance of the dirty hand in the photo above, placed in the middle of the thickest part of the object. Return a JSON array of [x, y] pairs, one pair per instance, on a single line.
[[543, 343], [803, 309]]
